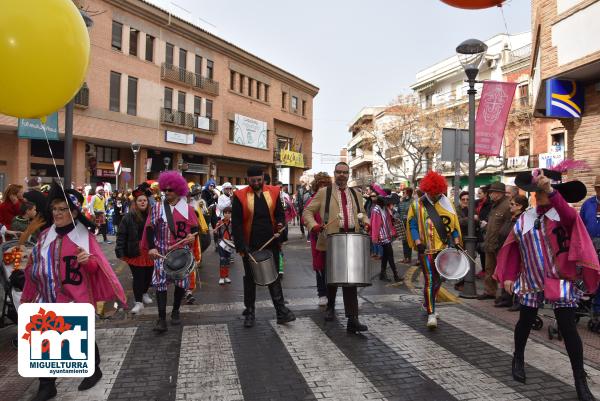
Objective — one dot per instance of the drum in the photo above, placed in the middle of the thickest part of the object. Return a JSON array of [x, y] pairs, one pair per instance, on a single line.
[[178, 263], [348, 260], [227, 245], [264, 270], [452, 264]]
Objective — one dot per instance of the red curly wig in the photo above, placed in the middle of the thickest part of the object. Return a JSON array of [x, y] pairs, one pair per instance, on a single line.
[[433, 184]]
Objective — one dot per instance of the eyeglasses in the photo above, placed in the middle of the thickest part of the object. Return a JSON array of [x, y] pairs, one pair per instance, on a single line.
[[58, 210], [342, 172], [169, 190], [464, 199]]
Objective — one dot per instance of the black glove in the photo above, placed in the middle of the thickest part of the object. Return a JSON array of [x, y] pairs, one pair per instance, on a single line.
[[421, 248], [452, 245]]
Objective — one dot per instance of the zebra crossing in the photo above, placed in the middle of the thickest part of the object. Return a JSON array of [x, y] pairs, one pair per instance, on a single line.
[[467, 358]]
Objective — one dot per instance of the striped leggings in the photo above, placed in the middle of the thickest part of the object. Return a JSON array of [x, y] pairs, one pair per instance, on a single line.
[[433, 282]]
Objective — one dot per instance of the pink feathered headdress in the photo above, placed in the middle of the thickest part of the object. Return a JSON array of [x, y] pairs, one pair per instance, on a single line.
[[174, 180]]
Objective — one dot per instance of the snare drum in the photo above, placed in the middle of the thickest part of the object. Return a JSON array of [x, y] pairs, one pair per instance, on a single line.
[[264, 270], [227, 245], [452, 264], [178, 263], [348, 263]]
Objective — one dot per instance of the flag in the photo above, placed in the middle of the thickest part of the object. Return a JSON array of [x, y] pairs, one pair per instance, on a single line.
[[492, 114]]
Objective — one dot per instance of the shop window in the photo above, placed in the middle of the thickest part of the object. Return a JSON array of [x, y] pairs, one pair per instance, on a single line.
[[134, 35], [117, 35], [149, 48]]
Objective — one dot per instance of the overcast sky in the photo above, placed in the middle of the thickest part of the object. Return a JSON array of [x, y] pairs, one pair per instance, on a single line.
[[359, 53]]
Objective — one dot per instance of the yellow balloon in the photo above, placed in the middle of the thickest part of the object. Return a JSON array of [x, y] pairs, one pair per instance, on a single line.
[[44, 55]]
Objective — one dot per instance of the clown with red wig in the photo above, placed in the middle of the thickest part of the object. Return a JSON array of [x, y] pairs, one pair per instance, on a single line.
[[169, 222], [423, 236]]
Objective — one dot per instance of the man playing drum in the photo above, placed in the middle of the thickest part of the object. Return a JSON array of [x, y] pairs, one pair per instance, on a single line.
[[343, 216], [171, 222], [433, 226], [257, 217]]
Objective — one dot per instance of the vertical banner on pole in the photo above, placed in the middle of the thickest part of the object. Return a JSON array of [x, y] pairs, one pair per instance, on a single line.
[[492, 114], [118, 168]]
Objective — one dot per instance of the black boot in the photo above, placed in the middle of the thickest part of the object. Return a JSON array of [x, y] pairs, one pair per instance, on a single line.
[[518, 368], [583, 391], [161, 302], [46, 391], [249, 319], [397, 278], [249, 295], [175, 319], [329, 314], [91, 381], [354, 326], [383, 276], [178, 297], [284, 315]]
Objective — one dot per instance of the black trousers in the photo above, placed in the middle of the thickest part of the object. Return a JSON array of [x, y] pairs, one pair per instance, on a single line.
[[321, 283], [407, 250], [350, 299], [565, 318], [388, 257], [142, 278], [48, 380], [250, 285]]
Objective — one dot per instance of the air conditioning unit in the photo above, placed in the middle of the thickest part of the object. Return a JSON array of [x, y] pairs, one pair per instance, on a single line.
[[90, 149]]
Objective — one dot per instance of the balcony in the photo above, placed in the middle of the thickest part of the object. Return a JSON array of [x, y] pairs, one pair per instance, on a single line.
[[82, 98], [365, 157], [179, 75], [393, 152], [189, 121], [524, 101]]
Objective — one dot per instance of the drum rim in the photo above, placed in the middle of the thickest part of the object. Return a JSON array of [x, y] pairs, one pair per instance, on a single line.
[[172, 271], [454, 251]]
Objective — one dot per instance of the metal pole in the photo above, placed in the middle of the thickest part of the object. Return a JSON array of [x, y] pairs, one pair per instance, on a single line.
[[68, 157], [134, 165], [469, 290], [457, 159]]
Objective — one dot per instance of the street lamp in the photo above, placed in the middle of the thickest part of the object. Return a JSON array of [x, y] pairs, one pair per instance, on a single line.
[[167, 161], [471, 54], [135, 148], [68, 156]]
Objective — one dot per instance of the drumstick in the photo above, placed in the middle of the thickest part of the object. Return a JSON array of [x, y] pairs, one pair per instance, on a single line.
[[272, 238], [179, 242], [460, 248], [252, 258]]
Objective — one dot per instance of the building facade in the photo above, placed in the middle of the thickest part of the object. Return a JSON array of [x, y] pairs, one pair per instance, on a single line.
[[191, 100], [363, 147]]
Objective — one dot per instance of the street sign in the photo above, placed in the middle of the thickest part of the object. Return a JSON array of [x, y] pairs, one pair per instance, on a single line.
[[449, 147]]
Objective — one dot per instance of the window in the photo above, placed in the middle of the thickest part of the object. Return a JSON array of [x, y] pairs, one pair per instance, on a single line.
[[283, 100], [232, 80], [241, 88], [197, 105], [258, 87], [169, 54], [209, 107], [132, 96], [115, 91], [210, 66], [106, 155], [168, 99], [524, 95], [304, 108], [558, 142], [181, 101], [117, 35], [250, 84], [294, 103], [134, 35], [198, 65], [182, 58], [524, 147], [231, 129], [266, 93], [149, 48]]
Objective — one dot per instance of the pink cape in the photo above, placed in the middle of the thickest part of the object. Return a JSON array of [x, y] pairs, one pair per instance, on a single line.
[[580, 255]]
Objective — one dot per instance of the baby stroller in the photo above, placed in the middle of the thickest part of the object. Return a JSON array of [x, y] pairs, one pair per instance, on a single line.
[[12, 279], [584, 309]]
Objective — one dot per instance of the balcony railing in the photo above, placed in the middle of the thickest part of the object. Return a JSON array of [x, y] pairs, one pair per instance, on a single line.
[[188, 120], [82, 98], [180, 75]]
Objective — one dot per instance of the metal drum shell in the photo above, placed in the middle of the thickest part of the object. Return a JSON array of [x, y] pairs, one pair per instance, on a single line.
[[452, 264], [180, 273], [348, 260], [264, 270]]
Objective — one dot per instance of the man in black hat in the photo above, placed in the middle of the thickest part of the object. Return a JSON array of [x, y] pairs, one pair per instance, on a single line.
[[498, 216], [258, 216]]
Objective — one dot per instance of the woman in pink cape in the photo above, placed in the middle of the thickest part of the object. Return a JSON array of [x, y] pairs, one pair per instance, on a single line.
[[67, 265], [547, 251]]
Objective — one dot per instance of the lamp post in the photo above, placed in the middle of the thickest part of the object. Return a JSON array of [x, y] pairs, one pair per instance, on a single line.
[[167, 161], [471, 54], [68, 157], [135, 148]]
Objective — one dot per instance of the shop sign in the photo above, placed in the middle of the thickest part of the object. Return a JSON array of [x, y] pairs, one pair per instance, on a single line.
[[517, 162], [250, 132], [31, 128], [293, 159], [105, 173], [178, 137], [564, 98], [549, 160]]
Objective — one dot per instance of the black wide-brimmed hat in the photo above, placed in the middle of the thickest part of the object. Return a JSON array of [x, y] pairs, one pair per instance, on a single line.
[[572, 191]]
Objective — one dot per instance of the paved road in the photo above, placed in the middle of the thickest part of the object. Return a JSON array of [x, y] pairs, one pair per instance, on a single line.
[[213, 357]]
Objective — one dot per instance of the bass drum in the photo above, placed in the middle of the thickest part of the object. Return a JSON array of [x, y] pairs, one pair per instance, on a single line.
[[348, 260], [452, 264]]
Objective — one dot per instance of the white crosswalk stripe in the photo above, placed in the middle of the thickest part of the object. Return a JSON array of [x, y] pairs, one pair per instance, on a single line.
[[113, 345], [458, 377], [207, 369], [541, 357], [327, 371]]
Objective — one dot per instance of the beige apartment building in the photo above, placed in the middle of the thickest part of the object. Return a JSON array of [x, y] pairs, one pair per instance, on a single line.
[[190, 99]]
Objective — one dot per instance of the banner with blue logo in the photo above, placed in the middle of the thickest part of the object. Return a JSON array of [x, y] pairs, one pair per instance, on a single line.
[[31, 128], [564, 98]]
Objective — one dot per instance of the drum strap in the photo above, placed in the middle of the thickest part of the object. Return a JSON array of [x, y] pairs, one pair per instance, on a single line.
[[435, 219], [170, 221], [328, 203]]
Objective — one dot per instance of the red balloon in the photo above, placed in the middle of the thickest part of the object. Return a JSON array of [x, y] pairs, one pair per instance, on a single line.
[[473, 4]]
